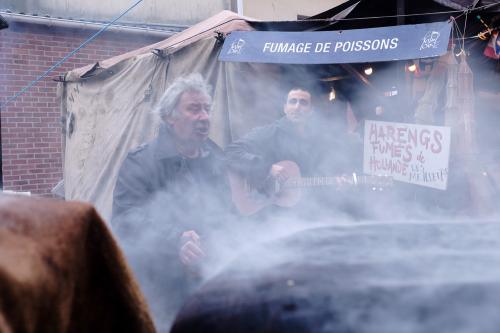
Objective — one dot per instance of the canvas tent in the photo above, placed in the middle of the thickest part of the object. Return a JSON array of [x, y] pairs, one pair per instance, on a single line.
[[107, 106]]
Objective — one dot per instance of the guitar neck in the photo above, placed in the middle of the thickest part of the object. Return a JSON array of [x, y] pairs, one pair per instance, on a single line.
[[310, 182], [353, 180]]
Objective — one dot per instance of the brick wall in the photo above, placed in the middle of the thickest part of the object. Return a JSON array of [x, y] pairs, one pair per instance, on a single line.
[[31, 131]]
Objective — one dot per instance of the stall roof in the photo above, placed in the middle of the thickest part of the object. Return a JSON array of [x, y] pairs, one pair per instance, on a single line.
[[224, 22]]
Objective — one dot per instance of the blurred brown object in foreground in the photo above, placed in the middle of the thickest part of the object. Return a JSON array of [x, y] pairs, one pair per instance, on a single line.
[[62, 271]]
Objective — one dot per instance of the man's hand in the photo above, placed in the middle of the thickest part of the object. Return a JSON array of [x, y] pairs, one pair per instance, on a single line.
[[190, 252], [343, 182], [278, 173]]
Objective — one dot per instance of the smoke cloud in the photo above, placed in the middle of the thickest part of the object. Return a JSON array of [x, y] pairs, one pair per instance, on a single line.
[[356, 259]]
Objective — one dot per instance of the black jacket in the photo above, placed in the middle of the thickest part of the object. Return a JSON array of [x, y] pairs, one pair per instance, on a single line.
[[157, 170], [158, 195], [324, 150]]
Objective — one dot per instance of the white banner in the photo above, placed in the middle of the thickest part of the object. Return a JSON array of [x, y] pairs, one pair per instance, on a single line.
[[416, 154]]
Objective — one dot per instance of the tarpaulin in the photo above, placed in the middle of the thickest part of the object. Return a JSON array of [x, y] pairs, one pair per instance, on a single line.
[[62, 271], [108, 106]]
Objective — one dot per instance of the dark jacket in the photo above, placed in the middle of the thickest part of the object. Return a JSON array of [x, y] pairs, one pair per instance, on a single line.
[[156, 169], [324, 150], [158, 195]]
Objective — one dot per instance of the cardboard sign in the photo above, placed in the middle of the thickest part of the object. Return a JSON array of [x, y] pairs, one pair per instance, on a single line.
[[333, 47], [416, 154]]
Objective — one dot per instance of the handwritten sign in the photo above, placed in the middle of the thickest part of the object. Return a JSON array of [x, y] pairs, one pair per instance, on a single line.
[[409, 153]]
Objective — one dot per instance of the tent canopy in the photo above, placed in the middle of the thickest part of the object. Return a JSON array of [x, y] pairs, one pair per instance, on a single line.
[[108, 105], [224, 22]]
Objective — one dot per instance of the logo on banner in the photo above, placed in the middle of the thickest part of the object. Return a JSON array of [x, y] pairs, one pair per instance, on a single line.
[[236, 47], [430, 40]]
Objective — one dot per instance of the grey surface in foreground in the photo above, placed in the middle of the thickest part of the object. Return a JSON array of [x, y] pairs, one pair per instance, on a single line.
[[394, 277]]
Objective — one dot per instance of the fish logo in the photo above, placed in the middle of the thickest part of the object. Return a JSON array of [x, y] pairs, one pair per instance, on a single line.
[[236, 47], [430, 40]]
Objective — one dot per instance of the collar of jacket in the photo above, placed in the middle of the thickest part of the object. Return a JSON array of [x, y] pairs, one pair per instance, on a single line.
[[290, 127], [164, 146], [313, 124]]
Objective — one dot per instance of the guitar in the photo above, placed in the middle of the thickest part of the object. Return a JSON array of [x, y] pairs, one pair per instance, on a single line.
[[249, 200]]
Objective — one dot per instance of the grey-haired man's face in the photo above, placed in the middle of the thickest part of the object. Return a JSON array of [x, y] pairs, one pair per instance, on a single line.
[[191, 121]]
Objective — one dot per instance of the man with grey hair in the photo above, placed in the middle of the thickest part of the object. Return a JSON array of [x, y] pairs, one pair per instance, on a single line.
[[170, 196]]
